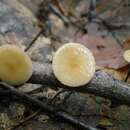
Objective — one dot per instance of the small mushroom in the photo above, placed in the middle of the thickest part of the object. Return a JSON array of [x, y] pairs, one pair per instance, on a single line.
[[127, 55], [15, 65], [73, 65]]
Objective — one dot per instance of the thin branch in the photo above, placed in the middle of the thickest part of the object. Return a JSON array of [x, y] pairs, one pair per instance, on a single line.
[[59, 6], [23, 122], [52, 101], [58, 14], [34, 40]]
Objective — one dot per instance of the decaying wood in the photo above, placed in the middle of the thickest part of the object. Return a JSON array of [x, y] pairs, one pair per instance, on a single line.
[[102, 84]]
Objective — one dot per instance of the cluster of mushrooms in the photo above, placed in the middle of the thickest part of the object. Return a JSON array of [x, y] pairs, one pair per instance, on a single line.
[[73, 65]]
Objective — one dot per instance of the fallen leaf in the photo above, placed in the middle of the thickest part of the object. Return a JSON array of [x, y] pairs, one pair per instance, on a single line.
[[106, 51], [119, 74]]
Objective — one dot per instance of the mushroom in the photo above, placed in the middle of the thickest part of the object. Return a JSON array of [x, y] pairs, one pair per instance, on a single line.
[[73, 64], [15, 65], [127, 55]]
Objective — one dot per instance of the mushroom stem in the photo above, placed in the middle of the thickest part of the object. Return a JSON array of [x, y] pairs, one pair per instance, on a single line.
[[102, 84]]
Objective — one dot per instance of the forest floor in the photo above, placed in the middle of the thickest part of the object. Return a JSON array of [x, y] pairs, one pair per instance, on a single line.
[[40, 27]]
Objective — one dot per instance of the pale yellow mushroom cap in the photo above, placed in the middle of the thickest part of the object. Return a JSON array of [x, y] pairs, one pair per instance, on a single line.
[[15, 65], [73, 64], [127, 55]]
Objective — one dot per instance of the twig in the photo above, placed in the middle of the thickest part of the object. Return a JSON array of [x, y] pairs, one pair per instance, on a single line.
[[50, 110], [58, 5], [26, 120], [34, 39], [91, 10], [56, 95], [57, 13], [66, 19], [36, 90], [111, 26]]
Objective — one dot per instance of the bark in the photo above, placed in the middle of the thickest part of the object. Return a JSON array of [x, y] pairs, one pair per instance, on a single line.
[[102, 84]]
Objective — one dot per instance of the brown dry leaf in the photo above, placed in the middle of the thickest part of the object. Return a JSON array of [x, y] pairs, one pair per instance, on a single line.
[[118, 74], [106, 51]]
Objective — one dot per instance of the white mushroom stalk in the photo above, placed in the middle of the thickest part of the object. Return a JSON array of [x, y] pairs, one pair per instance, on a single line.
[[15, 65], [73, 65]]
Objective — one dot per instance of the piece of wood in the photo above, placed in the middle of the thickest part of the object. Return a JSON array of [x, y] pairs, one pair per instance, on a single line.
[[102, 84]]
